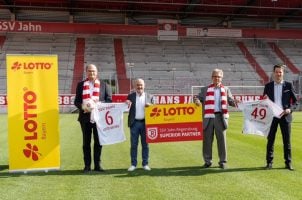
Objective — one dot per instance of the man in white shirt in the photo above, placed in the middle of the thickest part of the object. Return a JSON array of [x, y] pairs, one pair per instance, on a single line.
[[137, 101], [282, 93]]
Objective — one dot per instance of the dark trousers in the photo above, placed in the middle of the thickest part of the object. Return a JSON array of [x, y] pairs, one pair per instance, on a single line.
[[138, 129], [286, 132], [87, 130]]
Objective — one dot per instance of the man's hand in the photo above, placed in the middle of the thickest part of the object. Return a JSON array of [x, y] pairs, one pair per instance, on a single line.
[[196, 101], [237, 101], [285, 112], [128, 102]]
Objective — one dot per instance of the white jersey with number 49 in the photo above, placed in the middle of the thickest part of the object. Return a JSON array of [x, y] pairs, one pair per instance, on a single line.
[[258, 116], [109, 122]]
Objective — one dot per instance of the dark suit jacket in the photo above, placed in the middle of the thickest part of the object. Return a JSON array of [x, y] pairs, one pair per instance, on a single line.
[[105, 96], [289, 99], [132, 98]]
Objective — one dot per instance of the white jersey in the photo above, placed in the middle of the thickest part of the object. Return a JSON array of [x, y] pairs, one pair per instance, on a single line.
[[109, 122], [258, 116]]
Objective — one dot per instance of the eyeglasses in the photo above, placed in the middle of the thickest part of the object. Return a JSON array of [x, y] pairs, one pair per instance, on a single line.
[[216, 76]]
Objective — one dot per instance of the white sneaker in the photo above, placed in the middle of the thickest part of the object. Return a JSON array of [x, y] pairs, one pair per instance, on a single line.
[[131, 168], [147, 168]]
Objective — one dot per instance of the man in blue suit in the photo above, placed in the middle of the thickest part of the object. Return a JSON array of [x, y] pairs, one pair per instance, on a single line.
[[282, 93], [137, 101]]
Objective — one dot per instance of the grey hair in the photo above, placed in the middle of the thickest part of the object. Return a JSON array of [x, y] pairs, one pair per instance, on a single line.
[[218, 71]]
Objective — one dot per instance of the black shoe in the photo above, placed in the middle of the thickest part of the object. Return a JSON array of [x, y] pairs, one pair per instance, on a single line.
[[86, 169], [207, 165], [289, 166], [223, 165], [99, 169], [269, 166]]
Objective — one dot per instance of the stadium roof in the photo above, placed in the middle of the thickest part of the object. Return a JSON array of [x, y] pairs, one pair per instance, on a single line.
[[259, 13]]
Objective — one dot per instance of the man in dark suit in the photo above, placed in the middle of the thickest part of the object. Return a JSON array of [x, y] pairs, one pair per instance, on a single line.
[[137, 101], [91, 88], [282, 93]]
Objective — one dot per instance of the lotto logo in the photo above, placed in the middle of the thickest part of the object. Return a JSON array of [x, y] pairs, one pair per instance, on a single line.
[[31, 66], [31, 151], [172, 111]]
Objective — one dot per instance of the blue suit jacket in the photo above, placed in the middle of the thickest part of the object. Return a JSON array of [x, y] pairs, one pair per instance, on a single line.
[[132, 98], [289, 98]]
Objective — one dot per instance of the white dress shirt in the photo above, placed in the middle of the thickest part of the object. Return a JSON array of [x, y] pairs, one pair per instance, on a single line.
[[278, 93], [140, 106]]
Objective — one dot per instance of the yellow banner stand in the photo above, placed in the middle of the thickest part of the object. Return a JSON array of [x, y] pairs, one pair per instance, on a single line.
[[33, 113]]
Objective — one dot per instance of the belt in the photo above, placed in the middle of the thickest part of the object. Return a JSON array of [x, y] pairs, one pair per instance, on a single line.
[[140, 120], [217, 113]]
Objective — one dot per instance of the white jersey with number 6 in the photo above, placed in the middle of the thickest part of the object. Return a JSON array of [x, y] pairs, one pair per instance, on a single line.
[[109, 122], [258, 116]]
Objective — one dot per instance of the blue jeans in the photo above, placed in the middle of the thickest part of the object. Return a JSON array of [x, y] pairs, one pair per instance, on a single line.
[[136, 130]]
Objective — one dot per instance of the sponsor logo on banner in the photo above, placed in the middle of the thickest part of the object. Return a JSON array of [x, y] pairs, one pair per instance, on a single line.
[[173, 122], [29, 67], [152, 133], [31, 151], [30, 124]]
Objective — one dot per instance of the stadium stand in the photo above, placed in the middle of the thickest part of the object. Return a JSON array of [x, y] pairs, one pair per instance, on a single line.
[[167, 66], [174, 66], [292, 50], [62, 45]]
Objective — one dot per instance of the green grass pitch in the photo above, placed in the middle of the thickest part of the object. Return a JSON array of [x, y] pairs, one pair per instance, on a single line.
[[176, 169]]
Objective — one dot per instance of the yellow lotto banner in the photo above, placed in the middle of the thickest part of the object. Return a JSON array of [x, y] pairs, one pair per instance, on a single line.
[[33, 112], [173, 122]]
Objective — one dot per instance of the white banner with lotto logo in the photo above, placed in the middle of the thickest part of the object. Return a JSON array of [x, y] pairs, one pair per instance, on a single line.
[[33, 112]]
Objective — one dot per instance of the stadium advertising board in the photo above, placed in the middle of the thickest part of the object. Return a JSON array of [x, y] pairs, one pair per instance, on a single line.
[[33, 113], [173, 122], [181, 98], [68, 99]]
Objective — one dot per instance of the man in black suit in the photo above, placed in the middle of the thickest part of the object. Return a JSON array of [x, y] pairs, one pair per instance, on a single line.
[[91, 88], [137, 101], [282, 93]]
